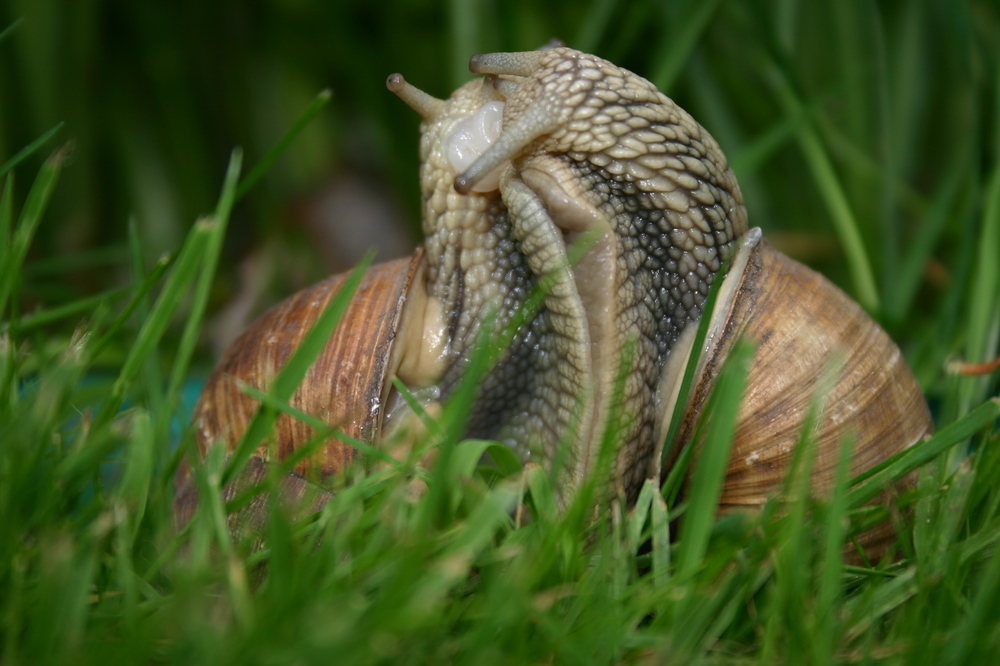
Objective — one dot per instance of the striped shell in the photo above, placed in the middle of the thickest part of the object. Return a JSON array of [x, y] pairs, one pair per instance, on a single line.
[[812, 344], [346, 387]]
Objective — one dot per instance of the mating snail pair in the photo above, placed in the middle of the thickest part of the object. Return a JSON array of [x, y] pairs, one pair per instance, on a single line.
[[548, 148]]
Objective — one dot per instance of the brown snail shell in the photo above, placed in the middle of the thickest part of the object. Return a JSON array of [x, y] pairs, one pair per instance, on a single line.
[[802, 326], [348, 384]]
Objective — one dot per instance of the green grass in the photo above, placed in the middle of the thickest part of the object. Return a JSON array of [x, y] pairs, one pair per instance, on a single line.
[[866, 138]]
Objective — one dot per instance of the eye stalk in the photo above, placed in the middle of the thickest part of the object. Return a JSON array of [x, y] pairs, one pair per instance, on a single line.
[[505, 87], [428, 106]]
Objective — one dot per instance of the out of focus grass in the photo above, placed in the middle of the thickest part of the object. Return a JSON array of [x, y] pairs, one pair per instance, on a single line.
[[866, 138]]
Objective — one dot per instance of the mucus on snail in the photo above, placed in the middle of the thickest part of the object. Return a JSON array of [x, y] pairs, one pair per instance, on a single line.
[[516, 165]]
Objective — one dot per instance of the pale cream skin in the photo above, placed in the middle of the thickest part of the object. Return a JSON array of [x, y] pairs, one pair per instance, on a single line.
[[471, 138]]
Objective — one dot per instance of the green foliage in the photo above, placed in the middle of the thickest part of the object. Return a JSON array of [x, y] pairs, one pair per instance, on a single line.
[[866, 138]]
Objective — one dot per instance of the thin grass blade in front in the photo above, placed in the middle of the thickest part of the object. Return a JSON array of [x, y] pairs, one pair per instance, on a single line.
[[713, 457], [295, 369]]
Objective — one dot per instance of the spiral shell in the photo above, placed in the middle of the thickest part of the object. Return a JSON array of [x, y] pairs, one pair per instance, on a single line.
[[347, 386], [812, 344]]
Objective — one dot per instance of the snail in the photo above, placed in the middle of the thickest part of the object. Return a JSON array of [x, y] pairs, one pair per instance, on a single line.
[[559, 170]]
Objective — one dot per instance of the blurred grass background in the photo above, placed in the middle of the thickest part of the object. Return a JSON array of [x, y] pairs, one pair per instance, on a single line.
[[881, 117], [866, 137]]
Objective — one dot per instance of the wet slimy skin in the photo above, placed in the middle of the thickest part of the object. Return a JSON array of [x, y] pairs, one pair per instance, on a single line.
[[552, 148], [471, 138]]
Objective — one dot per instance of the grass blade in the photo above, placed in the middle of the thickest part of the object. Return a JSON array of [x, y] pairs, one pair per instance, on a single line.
[[968, 638], [984, 308], [110, 256], [9, 29], [192, 326], [137, 300], [154, 327], [6, 215], [671, 487], [877, 479], [592, 27], [77, 307], [295, 369], [279, 148], [465, 17], [677, 49], [27, 151], [833, 558], [323, 429], [911, 271], [540, 488], [714, 447], [661, 540], [636, 520], [841, 213], [34, 207]]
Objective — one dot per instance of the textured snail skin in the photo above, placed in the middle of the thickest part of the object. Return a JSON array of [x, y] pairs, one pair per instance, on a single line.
[[590, 147]]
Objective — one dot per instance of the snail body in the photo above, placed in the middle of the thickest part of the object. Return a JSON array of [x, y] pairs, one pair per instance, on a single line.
[[562, 172]]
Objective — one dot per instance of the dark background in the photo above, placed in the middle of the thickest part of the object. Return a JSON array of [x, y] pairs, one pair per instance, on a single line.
[[155, 95]]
